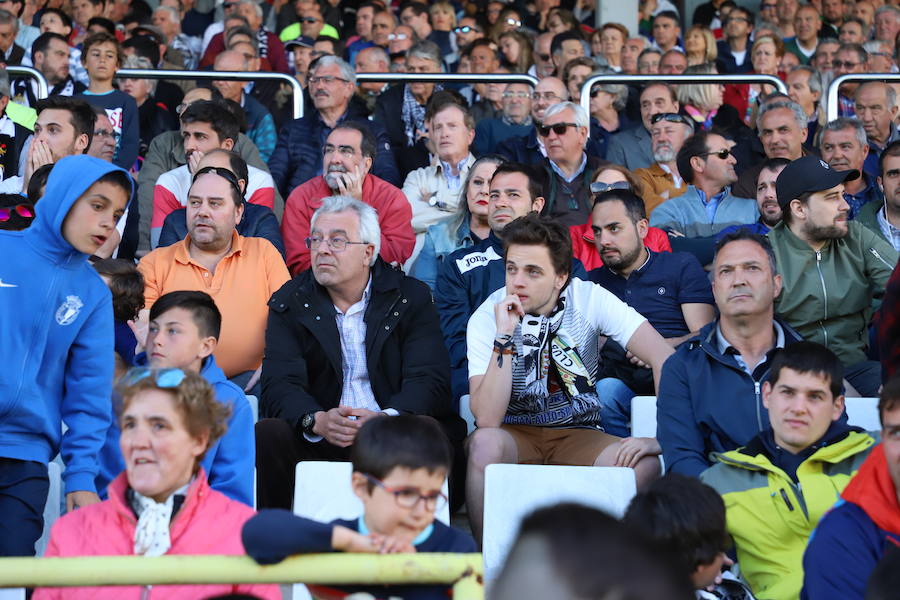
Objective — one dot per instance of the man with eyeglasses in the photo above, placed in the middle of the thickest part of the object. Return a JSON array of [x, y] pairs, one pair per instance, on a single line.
[[514, 121], [706, 164], [347, 157], [526, 148], [633, 148], [734, 52], [850, 58], [298, 154], [103, 144], [239, 273], [661, 180], [348, 340]]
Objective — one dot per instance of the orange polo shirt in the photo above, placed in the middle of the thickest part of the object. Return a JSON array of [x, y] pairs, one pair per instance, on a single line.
[[241, 286]]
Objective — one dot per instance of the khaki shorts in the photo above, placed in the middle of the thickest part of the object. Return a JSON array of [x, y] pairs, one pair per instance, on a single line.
[[578, 446]]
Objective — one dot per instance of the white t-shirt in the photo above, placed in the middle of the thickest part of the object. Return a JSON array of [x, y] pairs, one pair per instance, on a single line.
[[590, 312]]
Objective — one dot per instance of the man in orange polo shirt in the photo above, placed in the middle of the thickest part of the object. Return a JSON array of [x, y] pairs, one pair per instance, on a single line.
[[240, 273]]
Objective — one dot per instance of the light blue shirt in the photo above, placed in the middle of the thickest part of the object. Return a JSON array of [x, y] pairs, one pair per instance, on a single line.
[[712, 205], [891, 233], [559, 172]]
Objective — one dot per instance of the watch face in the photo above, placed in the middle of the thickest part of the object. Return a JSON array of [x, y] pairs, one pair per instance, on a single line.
[[308, 421]]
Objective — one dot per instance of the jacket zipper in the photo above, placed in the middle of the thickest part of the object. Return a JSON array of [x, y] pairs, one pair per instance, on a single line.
[[758, 415], [756, 385], [878, 256], [824, 293]]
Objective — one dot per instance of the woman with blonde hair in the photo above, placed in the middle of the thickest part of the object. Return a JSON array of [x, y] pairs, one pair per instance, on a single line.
[[162, 503], [700, 46], [701, 101], [443, 17], [765, 56]]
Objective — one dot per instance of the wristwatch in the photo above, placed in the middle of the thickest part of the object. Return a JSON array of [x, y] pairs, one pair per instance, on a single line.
[[308, 422]]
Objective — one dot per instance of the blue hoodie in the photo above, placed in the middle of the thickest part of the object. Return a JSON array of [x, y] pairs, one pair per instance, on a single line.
[[228, 463], [56, 336]]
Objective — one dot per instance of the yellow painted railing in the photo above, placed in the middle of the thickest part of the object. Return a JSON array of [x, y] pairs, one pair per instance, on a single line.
[[463, 571]]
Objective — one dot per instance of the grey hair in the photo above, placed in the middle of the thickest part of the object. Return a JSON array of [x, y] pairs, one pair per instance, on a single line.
[[255, 5], [369, 229], [141, 62], [580, 115], [7, 18], [380, 54], [173, 13], [890, 95], [426, 50], [330, 60], [800, 115], [815, 80], [888, 8], [618, 91], [842, 123]]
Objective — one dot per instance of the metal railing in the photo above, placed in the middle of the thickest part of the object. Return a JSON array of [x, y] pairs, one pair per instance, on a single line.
[[43, 88], [448, 78], [674, 79], [462, 571], [832, 103], [220, 76]]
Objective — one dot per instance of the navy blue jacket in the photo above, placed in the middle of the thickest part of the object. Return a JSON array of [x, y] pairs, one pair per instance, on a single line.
[[465, 280], [298, 154], [273, 535], [258, 221], [707, 403]]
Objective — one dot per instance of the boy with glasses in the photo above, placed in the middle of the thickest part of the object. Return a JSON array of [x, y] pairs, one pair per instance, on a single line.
[[399, 466]]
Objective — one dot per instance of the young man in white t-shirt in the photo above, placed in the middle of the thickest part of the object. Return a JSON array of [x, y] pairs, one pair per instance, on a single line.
[[533, 351]]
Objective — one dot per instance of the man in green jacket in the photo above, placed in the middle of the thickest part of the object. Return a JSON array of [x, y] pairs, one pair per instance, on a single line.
[[834, 270], [778, 486]]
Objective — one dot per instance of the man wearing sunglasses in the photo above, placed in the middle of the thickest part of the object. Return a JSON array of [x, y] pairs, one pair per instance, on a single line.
[[348, 340], [706, 164]]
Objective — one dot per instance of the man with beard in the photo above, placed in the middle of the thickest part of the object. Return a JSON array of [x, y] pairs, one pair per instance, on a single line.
[[670, 289], [843, 146], [50, 56], [347, 157], [661, 180], [766, 199], [832, 269]]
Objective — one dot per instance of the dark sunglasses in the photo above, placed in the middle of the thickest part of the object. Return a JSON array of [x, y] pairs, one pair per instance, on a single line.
[[671, 118], [308, 20], [26, 211], [557, 128], [598, 187], [225, 174], [544, 57], [722, 154]]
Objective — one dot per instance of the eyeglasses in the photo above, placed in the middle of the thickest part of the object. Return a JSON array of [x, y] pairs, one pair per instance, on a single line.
[[766, 6], [225, 174], [671, 118], [466, 29], [545, 96], [398, 36], [739, 19], [558, 128], [336, 244], [229, 5], [513, 22], [26, 211], [516, 95], [106, 133], [408, 497], [326, 79], [721, 154], [840, 64], [598, 187], [309, 20], [164, 378], [544, 57]]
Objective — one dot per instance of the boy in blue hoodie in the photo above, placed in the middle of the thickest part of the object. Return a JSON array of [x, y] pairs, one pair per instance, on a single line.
[[183, 333], [56, 345], [399, 466]]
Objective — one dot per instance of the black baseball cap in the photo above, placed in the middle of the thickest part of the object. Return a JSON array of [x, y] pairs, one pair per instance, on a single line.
[[303, 41], [808, 174]]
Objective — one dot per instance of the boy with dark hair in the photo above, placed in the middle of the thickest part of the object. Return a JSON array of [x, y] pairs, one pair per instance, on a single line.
[[183, 334], [57, 353], [779, 485], [686, 518], [102, 55], [399, 466]]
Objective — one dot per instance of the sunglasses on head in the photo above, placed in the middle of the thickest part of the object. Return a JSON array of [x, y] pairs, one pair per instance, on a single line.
[[557, 128], [26, 211], [671, 118], [164, 378], [225, 174], [598, 187]]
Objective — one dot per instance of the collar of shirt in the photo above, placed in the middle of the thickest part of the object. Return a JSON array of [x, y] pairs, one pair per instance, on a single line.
[[183, 252], [453, 181], [426, 533], [578, 172], [638, 269], [887, 228], [895, 135], [359, 306], [676, 178], [726, 348]]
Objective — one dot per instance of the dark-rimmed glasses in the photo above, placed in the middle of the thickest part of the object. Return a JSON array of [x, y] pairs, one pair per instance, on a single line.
[[557, 128], [408, 497], [326, 79]]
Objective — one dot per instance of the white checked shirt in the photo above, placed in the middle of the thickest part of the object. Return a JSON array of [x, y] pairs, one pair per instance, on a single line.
[[357, 389]]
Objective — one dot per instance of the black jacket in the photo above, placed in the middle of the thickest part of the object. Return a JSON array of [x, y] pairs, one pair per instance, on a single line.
[[389, 113], [409, 368]]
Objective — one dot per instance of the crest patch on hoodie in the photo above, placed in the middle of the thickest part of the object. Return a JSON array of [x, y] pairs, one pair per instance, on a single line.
[[68, 310]]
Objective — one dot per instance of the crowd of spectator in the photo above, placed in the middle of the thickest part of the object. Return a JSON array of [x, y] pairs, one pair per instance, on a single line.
[[410, 253]]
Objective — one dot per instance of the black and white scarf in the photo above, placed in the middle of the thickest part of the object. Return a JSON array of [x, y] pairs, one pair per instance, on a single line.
[[413, 114]]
